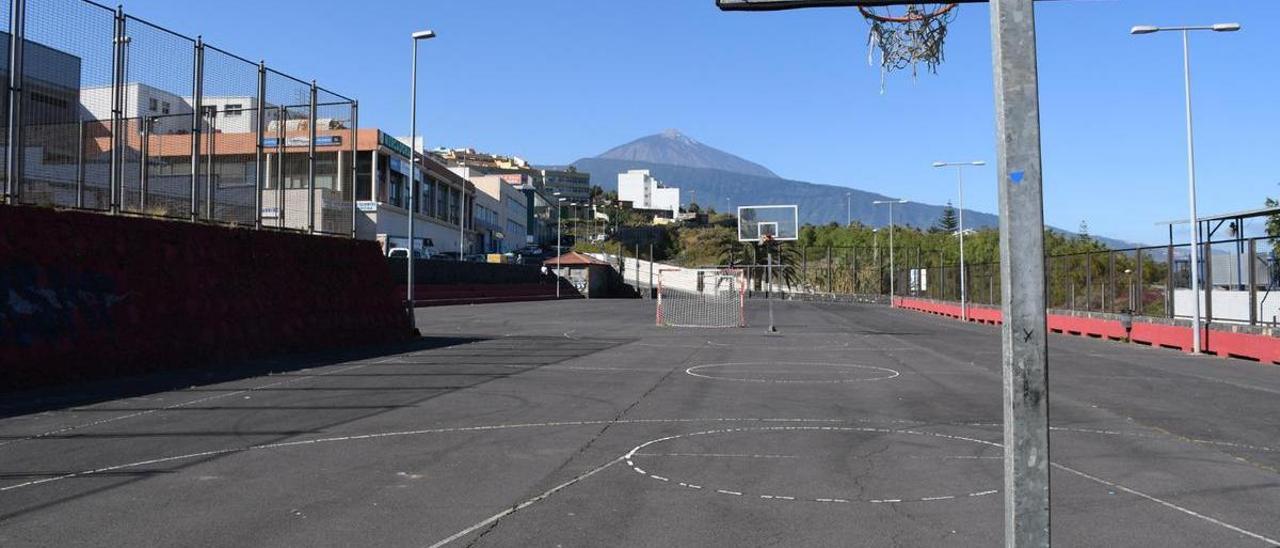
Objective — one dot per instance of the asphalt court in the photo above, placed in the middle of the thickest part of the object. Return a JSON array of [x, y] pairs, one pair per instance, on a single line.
[[580, 423]]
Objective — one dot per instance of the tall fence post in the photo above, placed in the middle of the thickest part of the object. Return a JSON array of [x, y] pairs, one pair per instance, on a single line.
[[1208, 284], [260, 133], [355, 160], [1168, 288], [853, 267], [830, 274], [311, 170], [197, 95], [114, 179], [282, 120], [211, 132], [1139, 291], [17, 38], [1088, 281], [804, 266], [144, 167], [649, 293], [1252, 278], [1111, 283], [81, 133]]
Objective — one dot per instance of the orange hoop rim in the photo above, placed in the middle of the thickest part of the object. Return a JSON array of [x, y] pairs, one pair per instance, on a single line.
[[866, 12]]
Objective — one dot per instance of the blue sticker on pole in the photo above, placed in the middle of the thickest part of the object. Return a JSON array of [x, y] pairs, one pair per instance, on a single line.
[[1016, 177]]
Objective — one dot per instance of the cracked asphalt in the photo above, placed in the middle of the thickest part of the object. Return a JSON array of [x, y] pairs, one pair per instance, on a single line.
[[577, 424]]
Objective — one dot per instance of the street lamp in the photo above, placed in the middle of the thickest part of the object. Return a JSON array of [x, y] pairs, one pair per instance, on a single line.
[[413, 163], [892, 285], [1191, 161], [964, 294]]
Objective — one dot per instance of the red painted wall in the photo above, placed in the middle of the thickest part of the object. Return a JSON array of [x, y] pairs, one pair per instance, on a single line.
[[1248, 346], [93, 296]]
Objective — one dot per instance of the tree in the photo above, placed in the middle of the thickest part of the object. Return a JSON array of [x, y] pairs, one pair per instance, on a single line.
[[949, 222], [693, 207], [1084, 231]]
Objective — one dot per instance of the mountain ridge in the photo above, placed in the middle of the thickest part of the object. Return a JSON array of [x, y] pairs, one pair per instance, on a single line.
[[671, 147]]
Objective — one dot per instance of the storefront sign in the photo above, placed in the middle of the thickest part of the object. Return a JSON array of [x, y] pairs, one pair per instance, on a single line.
[[367, 206], [394, 144], [321, 141]]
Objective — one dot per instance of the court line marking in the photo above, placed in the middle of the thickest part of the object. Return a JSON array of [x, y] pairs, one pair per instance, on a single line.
[[1168, 504], [891, 372], [630, 457]]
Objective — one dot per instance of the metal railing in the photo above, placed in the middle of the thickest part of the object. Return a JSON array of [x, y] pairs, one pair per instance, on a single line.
[[108, 112], [1240, 278]]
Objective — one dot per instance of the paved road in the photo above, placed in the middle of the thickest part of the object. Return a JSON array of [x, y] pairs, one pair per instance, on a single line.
[[581, 424]]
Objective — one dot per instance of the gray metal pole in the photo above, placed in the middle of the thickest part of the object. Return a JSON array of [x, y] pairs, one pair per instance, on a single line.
[[650, 291], [413, 171], [259, 129], [311, 167], [964, 295], [893, 285], [1191, 196], [17, 33], [210, 152], [114, 180], [144, 173], [1252, 280], [197, 95], [80, 163], [282, 120], [768, 294], [1026, 385], [355, 159], [559, 239]]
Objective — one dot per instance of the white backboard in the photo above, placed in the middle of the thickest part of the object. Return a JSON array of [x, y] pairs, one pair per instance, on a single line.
[[781, 221]]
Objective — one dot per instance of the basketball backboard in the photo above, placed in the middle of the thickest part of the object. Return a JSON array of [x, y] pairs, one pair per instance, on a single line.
[[771, 5], [755, 223]]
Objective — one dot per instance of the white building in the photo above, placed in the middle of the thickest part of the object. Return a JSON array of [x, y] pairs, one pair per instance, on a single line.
[[506, 210], [170, 113], [644, 192]]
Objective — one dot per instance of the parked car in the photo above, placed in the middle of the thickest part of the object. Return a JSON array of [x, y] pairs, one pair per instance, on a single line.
[[446, 256], [402, 252], [476, 258]]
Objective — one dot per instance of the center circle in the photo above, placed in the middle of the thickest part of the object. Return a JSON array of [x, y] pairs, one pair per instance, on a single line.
[[792, 372], [823, 464]]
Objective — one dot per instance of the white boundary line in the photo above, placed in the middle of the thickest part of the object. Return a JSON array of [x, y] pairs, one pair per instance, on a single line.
[[891, 373]]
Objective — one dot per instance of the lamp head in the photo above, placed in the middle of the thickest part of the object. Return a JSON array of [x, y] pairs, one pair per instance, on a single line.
[[424, 35]]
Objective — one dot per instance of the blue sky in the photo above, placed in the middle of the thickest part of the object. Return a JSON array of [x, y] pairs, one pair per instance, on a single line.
[[555, 80]]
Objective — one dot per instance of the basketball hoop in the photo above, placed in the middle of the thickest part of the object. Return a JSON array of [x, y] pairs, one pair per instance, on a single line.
[[908, 36]]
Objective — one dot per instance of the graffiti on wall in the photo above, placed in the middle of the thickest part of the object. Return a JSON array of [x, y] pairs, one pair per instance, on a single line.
[[45, 306]]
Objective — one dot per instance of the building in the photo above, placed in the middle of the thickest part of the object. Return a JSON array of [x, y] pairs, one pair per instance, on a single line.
[[647, 193], [569, 183], [510, 211], [444, 205], [166, 113]]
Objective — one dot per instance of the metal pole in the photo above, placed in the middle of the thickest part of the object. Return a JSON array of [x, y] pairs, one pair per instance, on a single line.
[[1088, 281], [17, 40], [1168, 287], [768, 294], [80, 164], [964, 295], [1140, 290], [1111, 282], [462, 216], [1191, 196], [311, 167], [282, 120], [197, 95], [413, 138], [144, 171], [259, 129], [117, 116], [1026, 385], [210, 152], [830, 276], [355, 159], [559, 240], [650, 291], [1253, 281], [893, 286], [1208, 288]]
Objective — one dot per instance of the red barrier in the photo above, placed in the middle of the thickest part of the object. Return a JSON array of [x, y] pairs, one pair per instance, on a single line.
[[1248, 346], [93, 296]]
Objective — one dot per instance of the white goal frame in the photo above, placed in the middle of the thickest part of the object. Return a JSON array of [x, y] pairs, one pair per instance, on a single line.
[[664, 319]]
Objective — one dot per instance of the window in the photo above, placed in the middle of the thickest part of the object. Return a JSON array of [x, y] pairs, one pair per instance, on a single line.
[[152, 104], [232, 110], [164, 107], [209, 110]]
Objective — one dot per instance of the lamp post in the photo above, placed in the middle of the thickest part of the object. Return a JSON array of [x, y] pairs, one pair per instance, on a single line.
[[964, 293], [413, 167], [892, 285], [1191, 160]]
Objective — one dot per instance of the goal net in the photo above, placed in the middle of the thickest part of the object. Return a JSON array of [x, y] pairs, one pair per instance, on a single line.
[[701, 297]]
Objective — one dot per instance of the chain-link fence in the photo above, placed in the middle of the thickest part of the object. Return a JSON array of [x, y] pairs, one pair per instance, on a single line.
[[106, 111]]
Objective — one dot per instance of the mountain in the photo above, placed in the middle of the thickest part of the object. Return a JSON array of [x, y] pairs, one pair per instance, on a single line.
[[674, 148], [732, 182], [818, 203]]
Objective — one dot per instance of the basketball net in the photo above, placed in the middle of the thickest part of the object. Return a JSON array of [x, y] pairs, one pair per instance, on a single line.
[[907, 36]]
